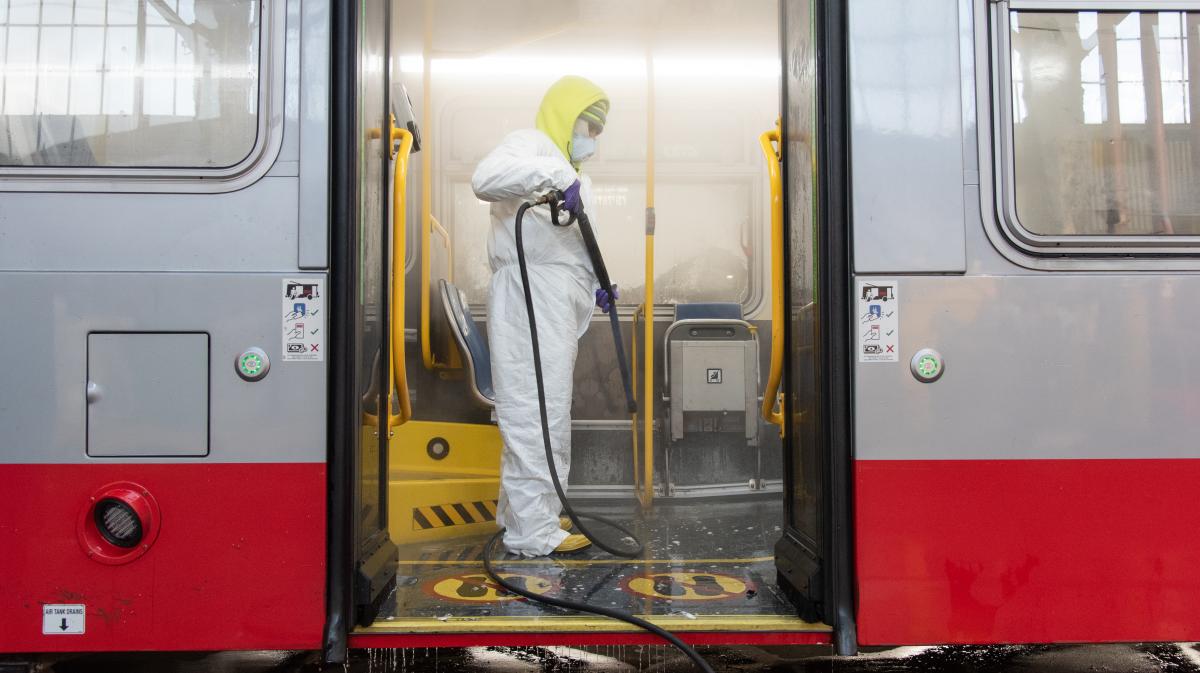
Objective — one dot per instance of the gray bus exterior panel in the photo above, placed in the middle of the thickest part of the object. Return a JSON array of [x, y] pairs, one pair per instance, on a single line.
[[249, 230], [246, 523], [906, 125], [279, 419], [1033, 493], [1051, 366]]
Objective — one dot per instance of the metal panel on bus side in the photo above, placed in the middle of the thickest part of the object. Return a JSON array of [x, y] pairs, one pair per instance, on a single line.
[[245, 524], [280, 418], [250, 230], [1037, 490], [147, 394], [907, 149], [1053, 366]]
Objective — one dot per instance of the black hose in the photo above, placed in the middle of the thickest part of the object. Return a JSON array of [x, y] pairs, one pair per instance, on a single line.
[[659, 631], [489, 548], [637, 548]]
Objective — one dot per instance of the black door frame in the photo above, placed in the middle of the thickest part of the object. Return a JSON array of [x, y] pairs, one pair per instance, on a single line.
[[823, 579], [355, 581]]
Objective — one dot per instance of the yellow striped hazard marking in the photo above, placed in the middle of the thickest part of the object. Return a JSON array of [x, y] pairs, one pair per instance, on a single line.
[[453, 514]]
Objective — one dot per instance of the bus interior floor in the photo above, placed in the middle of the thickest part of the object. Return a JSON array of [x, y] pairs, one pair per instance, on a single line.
[[710, 558]]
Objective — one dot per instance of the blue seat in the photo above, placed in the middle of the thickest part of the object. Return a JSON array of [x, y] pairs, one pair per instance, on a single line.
[[708, 311], [471, 342]]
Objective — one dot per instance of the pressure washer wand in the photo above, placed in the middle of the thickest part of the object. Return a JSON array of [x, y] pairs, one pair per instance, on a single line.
[[554, 199], [593, 248]]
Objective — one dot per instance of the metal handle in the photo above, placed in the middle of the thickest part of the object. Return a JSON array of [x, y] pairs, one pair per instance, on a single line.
[[397, 371], [772, 405]]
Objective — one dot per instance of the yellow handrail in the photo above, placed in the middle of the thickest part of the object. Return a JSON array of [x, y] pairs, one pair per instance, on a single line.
[[398, 373], [772, 405], [429, 224], [647, 406]]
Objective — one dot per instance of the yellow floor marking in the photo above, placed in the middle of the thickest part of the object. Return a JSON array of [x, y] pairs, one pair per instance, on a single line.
[[559, 624], [692, 586], [588, 562]]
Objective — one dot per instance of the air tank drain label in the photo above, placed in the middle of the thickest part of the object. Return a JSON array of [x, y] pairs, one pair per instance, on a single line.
[[303, 320], [63, 620], [878, 321]]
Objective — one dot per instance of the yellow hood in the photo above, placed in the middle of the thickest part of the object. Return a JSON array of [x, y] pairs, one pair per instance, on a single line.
[[561, 106]]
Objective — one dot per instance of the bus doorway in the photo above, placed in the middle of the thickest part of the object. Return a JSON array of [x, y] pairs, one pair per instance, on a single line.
[[688, 203]]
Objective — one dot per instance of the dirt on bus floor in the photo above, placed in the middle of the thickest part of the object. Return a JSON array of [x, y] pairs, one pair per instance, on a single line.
[[1133, 658]]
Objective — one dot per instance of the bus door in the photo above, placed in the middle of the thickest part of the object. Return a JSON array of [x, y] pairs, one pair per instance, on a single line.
[[813, 555], [364, 407]]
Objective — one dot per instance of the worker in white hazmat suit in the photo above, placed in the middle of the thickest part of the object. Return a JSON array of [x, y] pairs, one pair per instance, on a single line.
[[526, 165]]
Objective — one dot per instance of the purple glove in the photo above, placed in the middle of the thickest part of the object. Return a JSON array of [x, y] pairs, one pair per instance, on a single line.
[[571, 200], [605, 302]]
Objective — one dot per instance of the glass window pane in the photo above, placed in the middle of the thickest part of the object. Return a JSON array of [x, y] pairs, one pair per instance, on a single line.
[[1170, 24], [800, 83], [20, 70], [56, 12], [23, 12], [129, 83], [1080, 169], [1171, 63], [711, 203], [89, 12], [1129, 60], [1133, 102]]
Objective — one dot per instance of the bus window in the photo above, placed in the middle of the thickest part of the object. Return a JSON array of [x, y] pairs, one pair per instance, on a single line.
[[1104, 131], [715, 88], [128, 83]]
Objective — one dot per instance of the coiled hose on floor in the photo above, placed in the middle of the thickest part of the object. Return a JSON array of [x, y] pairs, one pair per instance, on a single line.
[[632, 551]]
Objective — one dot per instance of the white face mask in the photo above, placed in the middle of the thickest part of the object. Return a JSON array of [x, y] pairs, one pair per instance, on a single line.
[[583, 146]]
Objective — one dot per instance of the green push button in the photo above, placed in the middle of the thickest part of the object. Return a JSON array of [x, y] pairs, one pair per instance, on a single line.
[[927, 365], [252, 364]]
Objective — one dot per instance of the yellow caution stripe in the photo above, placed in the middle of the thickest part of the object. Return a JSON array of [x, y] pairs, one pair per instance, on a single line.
[[453, 514]]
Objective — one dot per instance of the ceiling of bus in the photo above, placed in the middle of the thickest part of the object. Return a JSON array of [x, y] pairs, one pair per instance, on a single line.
[[468, 28]]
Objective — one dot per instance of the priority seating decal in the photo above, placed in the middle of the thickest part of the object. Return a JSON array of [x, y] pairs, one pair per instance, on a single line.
[[687, 586], [477, 587]]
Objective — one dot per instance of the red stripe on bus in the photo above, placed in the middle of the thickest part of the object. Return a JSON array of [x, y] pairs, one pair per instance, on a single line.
[[997, 551], [239, 562]]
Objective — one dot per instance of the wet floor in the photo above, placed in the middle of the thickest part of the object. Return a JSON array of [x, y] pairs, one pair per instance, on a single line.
[[1136, 658], [699, 560]]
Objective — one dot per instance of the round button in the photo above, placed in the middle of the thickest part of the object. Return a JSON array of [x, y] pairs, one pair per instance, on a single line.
[[253, 364], [927, 365]]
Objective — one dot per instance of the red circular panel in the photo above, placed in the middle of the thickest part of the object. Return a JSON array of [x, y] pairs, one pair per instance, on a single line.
[[137, 499]]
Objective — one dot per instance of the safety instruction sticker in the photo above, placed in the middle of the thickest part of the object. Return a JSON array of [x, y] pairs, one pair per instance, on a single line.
[[878, 321], [303, 320], [63, 620], [688, 586], [479, 588]]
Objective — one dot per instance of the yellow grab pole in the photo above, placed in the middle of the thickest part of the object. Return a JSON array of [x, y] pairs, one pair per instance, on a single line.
[[772, 405], [427, 192], [647, 406], [398, 374]]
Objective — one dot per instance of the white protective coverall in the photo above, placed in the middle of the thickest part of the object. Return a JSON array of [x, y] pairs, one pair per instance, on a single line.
[[527, 164]]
